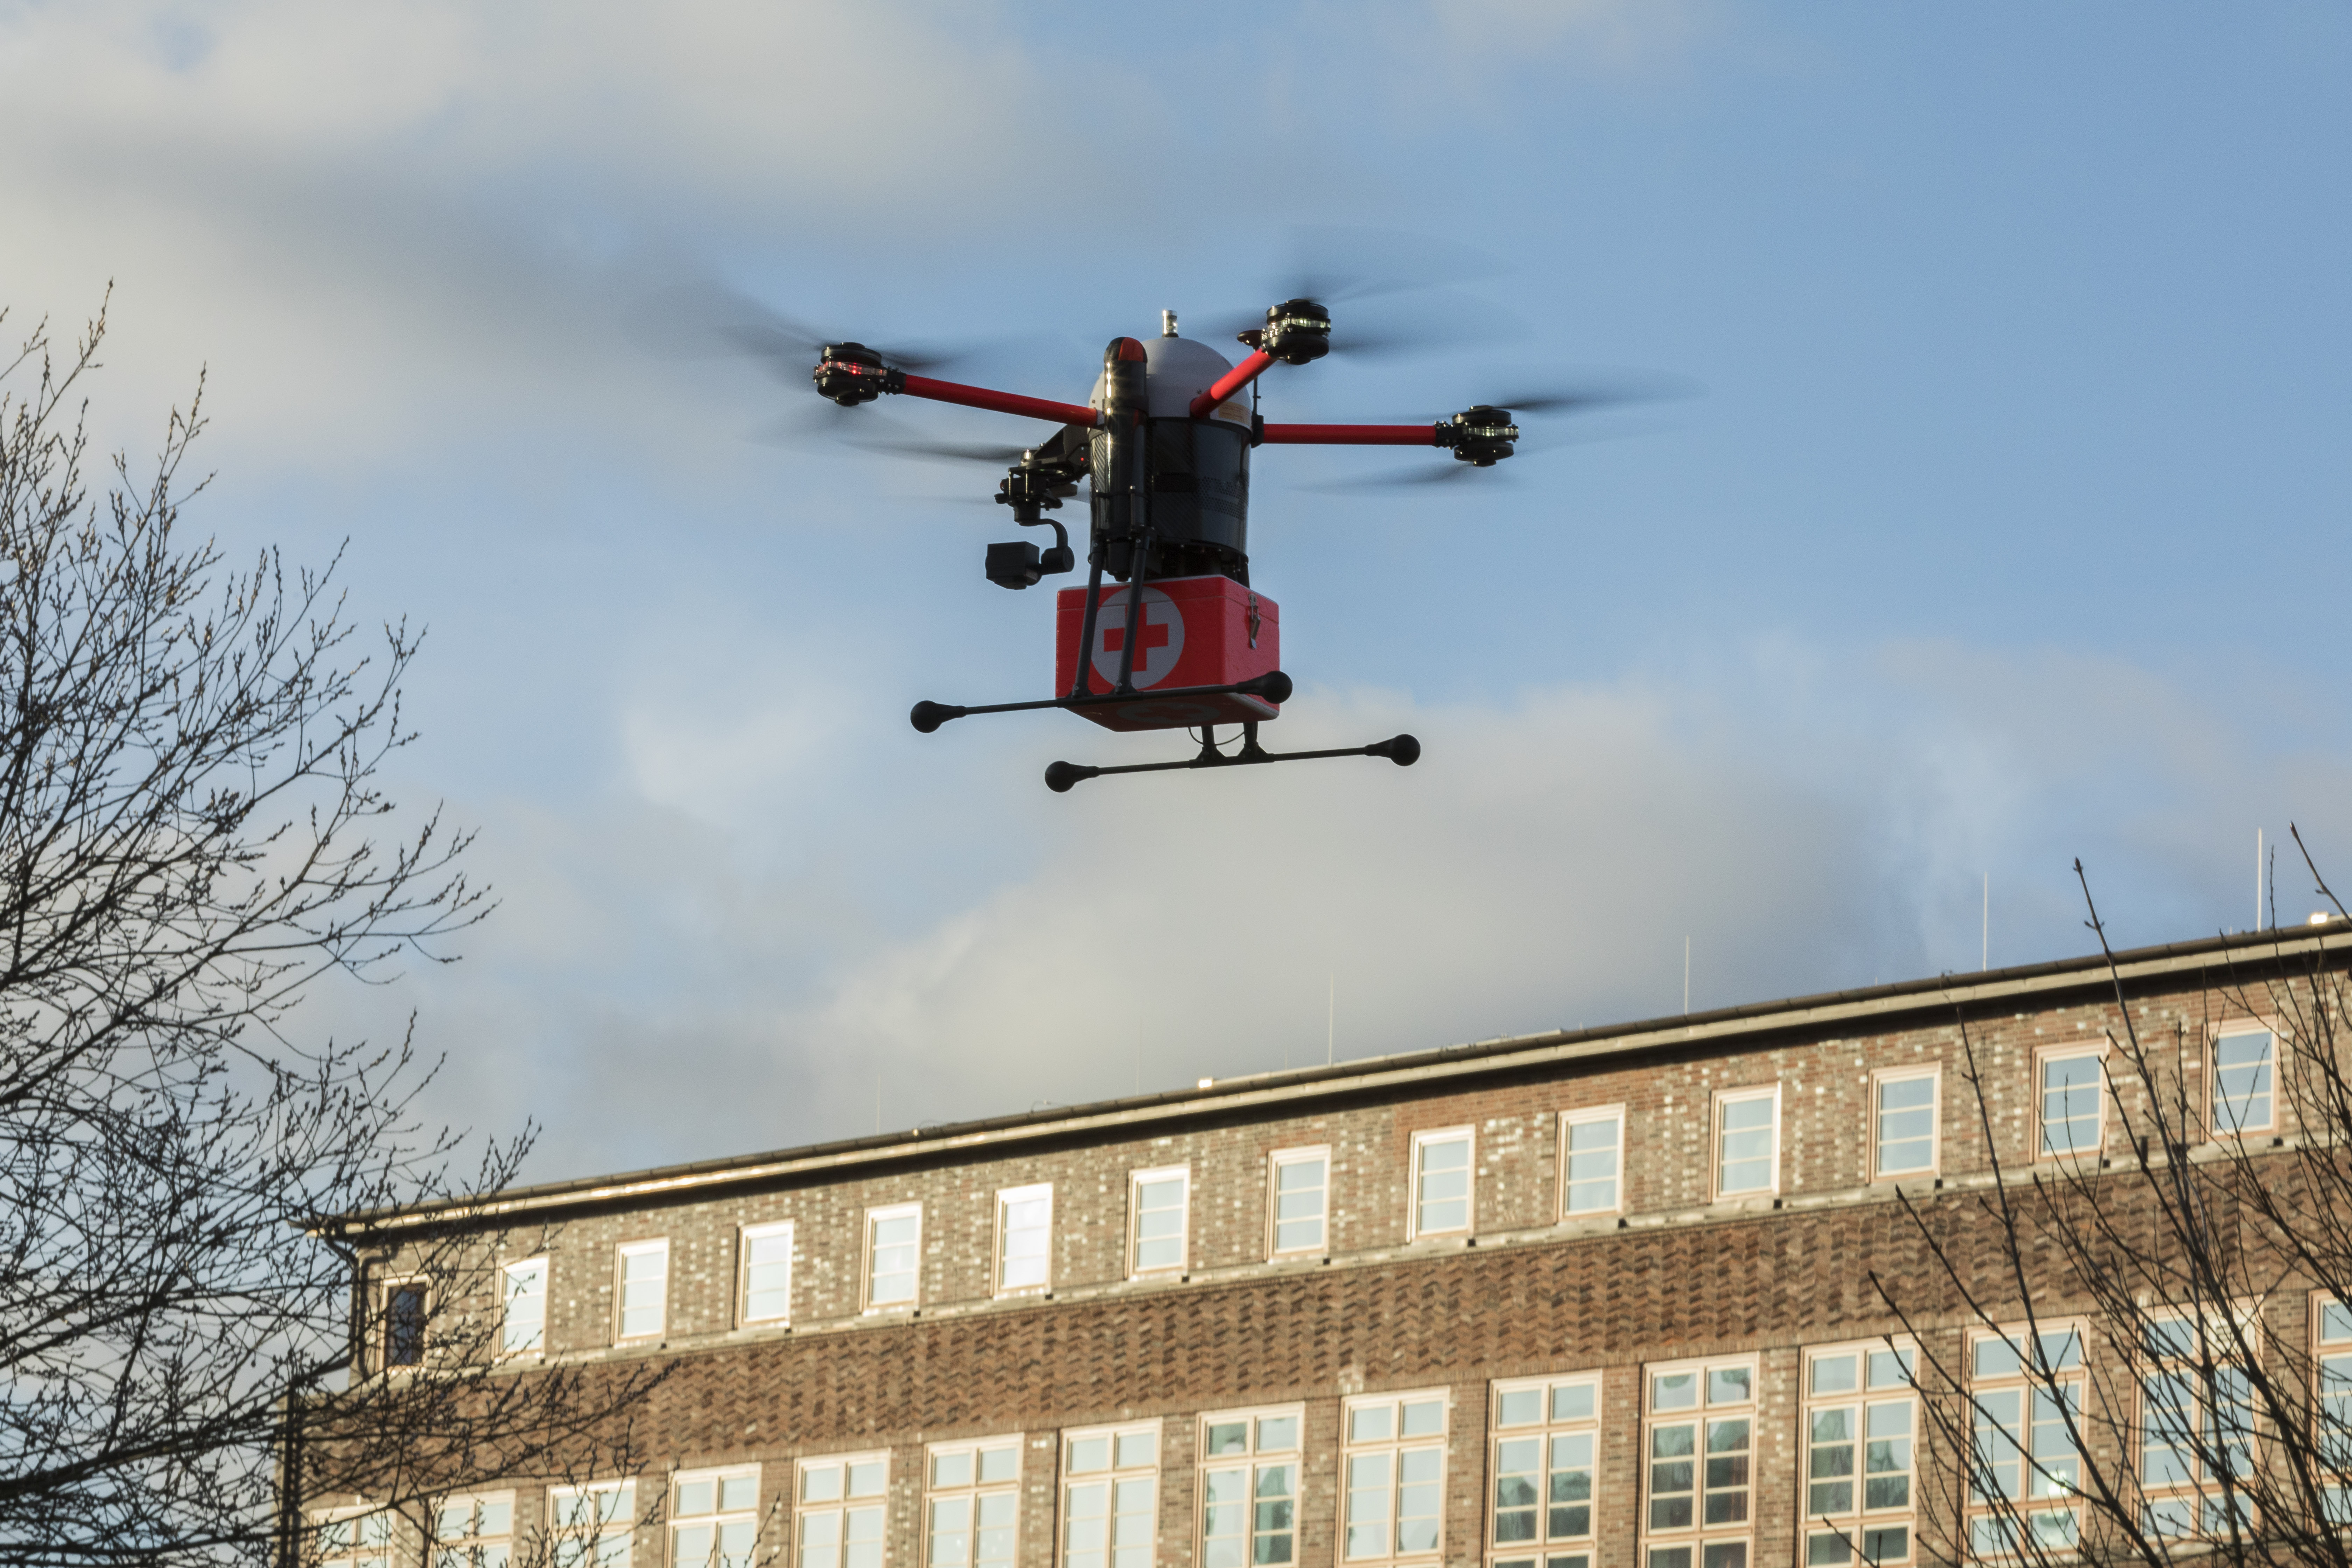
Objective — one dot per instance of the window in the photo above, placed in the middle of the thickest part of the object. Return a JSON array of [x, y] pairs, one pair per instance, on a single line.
[[974, 1489], [1904, 1124], [592, 1524], [356, 1541], [1158, 1205], [1591, 1161], [894, 1250], [1299, 1208], [2025, 1467], [1249, 1489], [1025, 1233], [1541, 1512], [475, 1532], [1747, 1142], [1699, 1438], [1861, 1419], [838, 1516], [644, 1288], [1394, 1471], [523, 1329], [767, 1254], [2245, 1061], [2333, 1331], [2073, 1103], [1441, 1182], [1110, 1495], [2197, 1430], [714, 1518], [404, 1305]]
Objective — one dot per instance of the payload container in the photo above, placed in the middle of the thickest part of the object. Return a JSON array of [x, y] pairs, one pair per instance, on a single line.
[[1196, 631]]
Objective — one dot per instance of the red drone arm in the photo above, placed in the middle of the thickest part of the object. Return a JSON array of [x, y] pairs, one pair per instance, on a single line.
[[1233, 381], [997, 402], [1351, 435]]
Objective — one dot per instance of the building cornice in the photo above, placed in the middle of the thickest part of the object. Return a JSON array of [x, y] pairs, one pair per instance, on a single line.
[[1989, 991]]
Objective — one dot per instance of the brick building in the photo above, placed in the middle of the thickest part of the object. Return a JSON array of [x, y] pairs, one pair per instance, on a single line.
[[1579, 1300]]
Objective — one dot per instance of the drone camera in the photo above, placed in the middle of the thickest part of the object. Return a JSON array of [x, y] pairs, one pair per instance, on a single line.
[[1297, 332], [1016, 564], [850, 374], [1482, 437]]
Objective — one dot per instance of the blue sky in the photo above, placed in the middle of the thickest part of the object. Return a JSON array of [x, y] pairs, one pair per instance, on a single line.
[[2009, 530]]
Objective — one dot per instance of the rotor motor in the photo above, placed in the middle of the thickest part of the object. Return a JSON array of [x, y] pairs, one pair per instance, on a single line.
[[1481, 437], [1297, 332], [850, 374]]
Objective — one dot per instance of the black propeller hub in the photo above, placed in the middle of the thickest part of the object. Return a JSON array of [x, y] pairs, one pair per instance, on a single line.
[[851, 374], [1297, 332], [1481, 437]]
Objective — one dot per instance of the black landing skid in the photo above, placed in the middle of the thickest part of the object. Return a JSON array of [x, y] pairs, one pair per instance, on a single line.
[[1401, 750], [1272, 687]]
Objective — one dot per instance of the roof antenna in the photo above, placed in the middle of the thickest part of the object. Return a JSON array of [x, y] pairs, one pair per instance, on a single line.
[[1167, 323]]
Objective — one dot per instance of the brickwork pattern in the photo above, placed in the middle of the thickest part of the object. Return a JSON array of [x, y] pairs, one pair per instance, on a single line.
[[1679, 1276]]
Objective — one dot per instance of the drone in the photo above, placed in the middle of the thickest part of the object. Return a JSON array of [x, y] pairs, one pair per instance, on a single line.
[[1179, 638]]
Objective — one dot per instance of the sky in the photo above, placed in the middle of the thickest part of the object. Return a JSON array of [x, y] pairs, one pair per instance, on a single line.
[[2005, 527]]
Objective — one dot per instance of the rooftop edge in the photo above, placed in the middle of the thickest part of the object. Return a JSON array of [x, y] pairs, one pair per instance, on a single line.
[[2275, 944]]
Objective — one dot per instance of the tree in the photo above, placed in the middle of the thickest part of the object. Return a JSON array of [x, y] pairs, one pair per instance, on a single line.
[[2140, 1351], [193, 838]]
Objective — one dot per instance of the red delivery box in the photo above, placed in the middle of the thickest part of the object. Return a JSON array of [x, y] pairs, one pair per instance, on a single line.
[[1196, 631]]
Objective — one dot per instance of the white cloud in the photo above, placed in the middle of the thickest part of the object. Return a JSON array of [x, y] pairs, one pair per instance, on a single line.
[[671, 982]]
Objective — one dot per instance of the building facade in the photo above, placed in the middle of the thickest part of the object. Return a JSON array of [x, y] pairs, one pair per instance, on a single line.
[[1604, 1299]]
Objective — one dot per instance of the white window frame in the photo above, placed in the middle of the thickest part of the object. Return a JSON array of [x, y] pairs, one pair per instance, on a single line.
[[977, 1493], [1878, 1387], [2044, 1489], [1035, 1192], [1934, 1074], [357, 1551], [621, 1256], [1252, 1462], [2330, 1338], [1118, 1470], [1659, 1545], [537, 1345], [2237, 1028], [1587, 1116], [2166, 1500], [2041, 1059], [1275, 1165], [1393, 1452], [1718, 1106], [742, 1522], [610, 1543], [1467, 1136], [385, 1291], [1135, 1180], [1565, 1410], [870, 1258], [746, 1237], [473, 1542], [841, 1506]]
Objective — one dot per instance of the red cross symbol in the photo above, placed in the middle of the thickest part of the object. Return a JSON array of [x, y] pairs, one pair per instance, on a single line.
[[1157, 650], [1115, 638]]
